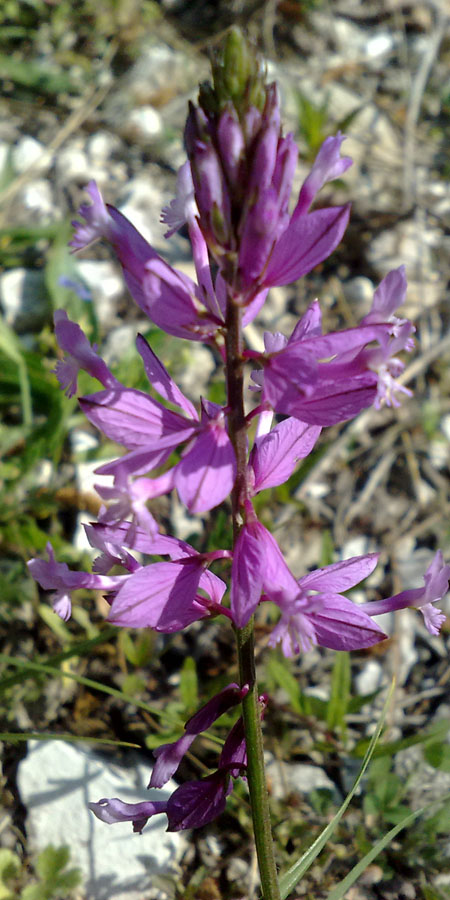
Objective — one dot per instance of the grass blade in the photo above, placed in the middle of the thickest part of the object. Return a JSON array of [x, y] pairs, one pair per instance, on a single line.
[[290, 879]]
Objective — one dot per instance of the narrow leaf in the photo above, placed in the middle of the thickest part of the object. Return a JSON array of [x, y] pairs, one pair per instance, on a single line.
[[338, 892], [290, 879]]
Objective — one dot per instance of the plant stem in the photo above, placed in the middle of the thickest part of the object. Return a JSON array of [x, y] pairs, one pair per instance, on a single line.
[[245, 636]]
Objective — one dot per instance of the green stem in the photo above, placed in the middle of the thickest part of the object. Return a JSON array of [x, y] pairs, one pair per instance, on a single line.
[[245, 636], [256, 775]]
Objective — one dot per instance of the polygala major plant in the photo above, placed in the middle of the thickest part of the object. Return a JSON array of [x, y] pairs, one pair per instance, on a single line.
[[233, 194]]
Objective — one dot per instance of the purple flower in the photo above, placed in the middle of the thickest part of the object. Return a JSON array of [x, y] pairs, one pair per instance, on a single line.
[[194, 803], [206, 472], [325, 379], [169, 298], [79, 355], [115, 810], [436, 585], [319, 614], [54, 576]]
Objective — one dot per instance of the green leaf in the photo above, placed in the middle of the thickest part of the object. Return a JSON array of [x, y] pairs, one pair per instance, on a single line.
[[278, 668], [16, 737], [290, 879], [29, 668], [55, 881], [340, 691], [12, 348], [9, 869], [35, 75], [437, 731], [438, 756], [340, 889], [189, 684]]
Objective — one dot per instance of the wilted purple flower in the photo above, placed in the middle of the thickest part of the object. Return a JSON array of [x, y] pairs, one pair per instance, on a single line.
[[194, 803], [169, 756]]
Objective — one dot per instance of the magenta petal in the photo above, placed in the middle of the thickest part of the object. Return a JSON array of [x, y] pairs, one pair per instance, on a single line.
[[278, 581], [329, 164], [159, 596], [305, 243], [73, 341], [275, 454], [167, 296], [115, 810], [127, 534], [389, 295], [213, 709], [137, 462], [340, 576], [340, 624], [168, 758], [234, 752], [134, 419], [205, 475], [160, 379], [246, 575], [196, 803]]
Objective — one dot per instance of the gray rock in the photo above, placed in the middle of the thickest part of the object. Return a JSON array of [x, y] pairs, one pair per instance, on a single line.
[[57, 780]]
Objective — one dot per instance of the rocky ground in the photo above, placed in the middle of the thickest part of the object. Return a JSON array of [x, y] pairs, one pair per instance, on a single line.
[[107, 100]]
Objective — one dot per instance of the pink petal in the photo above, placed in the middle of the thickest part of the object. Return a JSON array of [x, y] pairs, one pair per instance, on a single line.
[[340, 576], [246, 577], [305, 243], [205, 475], [329, 164], [159, 596], [160, 379], [275, 455], [134, 419], [342, 625]]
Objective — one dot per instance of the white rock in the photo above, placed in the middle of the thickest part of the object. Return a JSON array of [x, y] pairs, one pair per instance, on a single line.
[[102, 145], [27, 152], [5, 151], [37, 196], [106, 285], [379, 46], [120, 339], [24, 299], [56, 780], [72, 163], [144, 124], [301, 777], [370, 678], [445, 425]]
